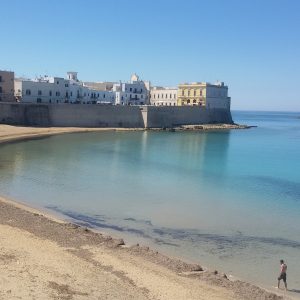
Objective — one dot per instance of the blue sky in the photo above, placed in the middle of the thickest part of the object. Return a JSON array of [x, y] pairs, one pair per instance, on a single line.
[[253, 46]]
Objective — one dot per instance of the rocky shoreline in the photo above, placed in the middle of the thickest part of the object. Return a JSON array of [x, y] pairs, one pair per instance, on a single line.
[[210, 127]]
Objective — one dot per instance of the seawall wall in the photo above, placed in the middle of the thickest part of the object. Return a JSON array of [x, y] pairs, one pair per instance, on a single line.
[[91, 115]]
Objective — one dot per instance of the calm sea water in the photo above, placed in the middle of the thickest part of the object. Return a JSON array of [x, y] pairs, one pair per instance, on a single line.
[[226, 199]]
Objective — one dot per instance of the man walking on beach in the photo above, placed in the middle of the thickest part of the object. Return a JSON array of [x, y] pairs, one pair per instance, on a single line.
[[282, 275]]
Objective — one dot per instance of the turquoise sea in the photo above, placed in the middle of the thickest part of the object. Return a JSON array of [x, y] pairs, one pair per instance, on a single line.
[[229, 200]]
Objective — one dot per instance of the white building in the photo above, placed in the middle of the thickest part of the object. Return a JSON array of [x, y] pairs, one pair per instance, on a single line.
[[59, 90], [135, 92], [217, 95], [163, 96]]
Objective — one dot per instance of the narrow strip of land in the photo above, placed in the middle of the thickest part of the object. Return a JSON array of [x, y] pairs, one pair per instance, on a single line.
[[10, 133]]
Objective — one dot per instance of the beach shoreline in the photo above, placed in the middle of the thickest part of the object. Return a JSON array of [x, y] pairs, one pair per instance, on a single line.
[[90, 247], [10, 133]]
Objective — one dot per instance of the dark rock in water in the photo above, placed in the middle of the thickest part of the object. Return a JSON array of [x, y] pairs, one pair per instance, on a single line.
[[215, 272], [119, 242], [196, 268], [225, 276]]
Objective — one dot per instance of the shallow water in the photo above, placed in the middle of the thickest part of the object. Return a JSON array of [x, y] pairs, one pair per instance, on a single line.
[[228, 199]]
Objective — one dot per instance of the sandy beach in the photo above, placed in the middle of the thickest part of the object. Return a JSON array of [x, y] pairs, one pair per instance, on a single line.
[[42, 257]]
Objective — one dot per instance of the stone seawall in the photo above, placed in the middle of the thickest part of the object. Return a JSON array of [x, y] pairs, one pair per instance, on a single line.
[[89, 115]]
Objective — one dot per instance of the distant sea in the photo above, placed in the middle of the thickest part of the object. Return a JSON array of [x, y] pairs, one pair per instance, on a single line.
[[228, 200]]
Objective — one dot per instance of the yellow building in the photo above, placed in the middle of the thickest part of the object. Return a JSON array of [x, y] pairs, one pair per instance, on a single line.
[[203, 94], [191, 94]]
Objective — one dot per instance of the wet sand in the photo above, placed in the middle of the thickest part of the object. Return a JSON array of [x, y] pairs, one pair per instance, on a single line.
[[42, 257]]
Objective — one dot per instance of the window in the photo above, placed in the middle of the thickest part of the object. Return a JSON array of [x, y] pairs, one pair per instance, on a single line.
[[200, 92], [28, 92], [182, 92], [130, 89], [57, 82], [188, 101], [194, 101], [39, 100], [57, 93], [0, 78], [0, 89], [50, 93], [194, 92], [66, 85], [188, 92], [39, 92]]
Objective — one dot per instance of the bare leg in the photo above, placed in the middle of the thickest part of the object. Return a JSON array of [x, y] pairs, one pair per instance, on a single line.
[[278, 283], [285, 284]]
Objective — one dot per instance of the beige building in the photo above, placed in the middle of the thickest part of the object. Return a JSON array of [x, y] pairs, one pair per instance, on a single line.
[[163, 96], [7, 86], [203, 94]]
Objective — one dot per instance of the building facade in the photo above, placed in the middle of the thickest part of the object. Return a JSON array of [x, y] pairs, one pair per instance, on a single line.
[[7, 86], [59, 90], [135, 92], [203, 94], [163, 96]]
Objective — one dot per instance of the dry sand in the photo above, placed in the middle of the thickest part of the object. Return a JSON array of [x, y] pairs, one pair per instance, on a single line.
[[44, 258], [10, 133]]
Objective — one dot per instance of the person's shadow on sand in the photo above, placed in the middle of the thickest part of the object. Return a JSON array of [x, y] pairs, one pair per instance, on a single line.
[[294, 291]]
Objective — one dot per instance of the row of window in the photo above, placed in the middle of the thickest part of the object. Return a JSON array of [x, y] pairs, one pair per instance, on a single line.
[[93, 95], [164, 96], [135, 90], [164, 104], [190, 92], [188, 101], [132, 97]]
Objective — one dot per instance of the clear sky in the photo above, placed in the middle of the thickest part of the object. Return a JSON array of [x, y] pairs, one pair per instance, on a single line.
[[253, 46]]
